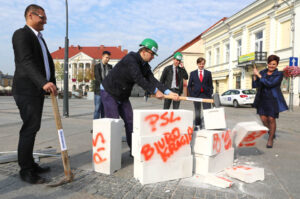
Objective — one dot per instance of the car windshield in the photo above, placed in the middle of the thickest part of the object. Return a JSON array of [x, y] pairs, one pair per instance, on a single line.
[[247, 92]]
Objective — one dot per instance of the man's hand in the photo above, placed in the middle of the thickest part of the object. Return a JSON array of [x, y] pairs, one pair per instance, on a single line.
[[174, 96], [159, 94], [50, 88]]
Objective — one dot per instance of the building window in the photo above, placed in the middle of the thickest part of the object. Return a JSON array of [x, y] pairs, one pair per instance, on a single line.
[[259, 41], [238, 82], [239, 47], [227, 53], [285, 35], [209, 58], [217, 58]]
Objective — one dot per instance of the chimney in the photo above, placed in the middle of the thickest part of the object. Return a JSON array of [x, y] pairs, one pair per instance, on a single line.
[[72, 46], [101, 47], [78, 46], [125, 51], [59, 48], [119, 47]]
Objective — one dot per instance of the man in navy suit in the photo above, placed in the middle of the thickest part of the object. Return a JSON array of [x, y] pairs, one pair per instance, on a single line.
[[200, 85], [34, 77]]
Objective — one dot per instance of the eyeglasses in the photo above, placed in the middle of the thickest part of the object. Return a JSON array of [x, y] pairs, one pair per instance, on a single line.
[[152, 53], [40, 16]]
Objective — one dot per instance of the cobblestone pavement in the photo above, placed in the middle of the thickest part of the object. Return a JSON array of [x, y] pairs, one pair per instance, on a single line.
[[282, 172], [95, 185]]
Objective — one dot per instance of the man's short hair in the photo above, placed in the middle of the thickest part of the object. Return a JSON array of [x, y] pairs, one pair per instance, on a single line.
[[32, 7], [106, 53], [200, 59]]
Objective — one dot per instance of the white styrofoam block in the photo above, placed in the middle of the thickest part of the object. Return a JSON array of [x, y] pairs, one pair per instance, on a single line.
[[159, 171], [247, 174], [246, 133], [211, 142], [164, 147], [218, 181], [204, 164], [158, 122], [107, 142], [214, 118]]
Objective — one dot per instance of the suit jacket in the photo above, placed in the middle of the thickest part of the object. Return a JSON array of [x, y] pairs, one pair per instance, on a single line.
[[273, 83], [98, 76], [167, 77], [129, 70], [30, 73], [194, 85]]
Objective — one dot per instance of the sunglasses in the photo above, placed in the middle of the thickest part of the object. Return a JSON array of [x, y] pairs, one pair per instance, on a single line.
[[40, 16]]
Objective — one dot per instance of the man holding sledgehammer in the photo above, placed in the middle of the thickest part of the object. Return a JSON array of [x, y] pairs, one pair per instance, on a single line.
[[117, 86]]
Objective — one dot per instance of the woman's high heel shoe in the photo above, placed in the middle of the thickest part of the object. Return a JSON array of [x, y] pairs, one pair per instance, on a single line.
[[269, 146]]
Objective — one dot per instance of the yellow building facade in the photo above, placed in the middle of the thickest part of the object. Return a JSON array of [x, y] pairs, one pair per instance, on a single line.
[[249, 36]]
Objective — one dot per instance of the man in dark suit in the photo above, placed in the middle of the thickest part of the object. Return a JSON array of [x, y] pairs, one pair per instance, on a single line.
[[34, 77], [101, 71], [172, 77], [200, 85]]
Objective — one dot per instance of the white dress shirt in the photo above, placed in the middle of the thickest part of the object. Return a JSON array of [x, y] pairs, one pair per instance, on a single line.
[[44, 50]]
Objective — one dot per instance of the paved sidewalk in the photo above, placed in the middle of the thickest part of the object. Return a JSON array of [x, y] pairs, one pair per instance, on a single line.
[[282, 172]]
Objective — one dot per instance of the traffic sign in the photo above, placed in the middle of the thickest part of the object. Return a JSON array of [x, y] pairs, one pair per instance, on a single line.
[[293, 61]]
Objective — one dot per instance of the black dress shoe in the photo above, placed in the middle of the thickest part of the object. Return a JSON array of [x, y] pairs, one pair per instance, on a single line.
[[39, 169], [31, 177]]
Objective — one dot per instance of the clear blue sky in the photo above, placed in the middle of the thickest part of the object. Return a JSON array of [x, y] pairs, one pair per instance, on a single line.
[[172, 23]]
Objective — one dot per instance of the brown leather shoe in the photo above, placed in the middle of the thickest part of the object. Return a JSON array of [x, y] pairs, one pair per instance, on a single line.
[[31, 177]]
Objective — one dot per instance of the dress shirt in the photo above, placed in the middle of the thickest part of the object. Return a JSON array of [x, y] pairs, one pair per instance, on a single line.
[[44, 50]]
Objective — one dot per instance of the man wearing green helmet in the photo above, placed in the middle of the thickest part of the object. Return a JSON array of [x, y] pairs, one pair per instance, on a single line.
[[132, 69], [172, 77]]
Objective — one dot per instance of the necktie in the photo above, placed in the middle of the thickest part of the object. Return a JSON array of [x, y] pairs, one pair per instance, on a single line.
[[176, 76], [201, 76], [201, 79]]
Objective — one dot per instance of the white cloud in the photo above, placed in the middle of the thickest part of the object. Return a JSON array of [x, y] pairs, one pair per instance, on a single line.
[[172, 23]]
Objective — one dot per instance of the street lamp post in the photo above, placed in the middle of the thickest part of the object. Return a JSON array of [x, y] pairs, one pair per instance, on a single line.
[[66, 70], [292, 10], [291, 98]]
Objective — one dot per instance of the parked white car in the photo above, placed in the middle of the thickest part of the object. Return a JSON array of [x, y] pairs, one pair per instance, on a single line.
[[237, 97]]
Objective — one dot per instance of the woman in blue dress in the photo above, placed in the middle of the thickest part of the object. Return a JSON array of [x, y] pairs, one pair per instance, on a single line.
[[269, 100]]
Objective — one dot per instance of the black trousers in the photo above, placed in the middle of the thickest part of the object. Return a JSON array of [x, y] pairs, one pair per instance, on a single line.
[[30, 109], [167, 102], [197, 106]]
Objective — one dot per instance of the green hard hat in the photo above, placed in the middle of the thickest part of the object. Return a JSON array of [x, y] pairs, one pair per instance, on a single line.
[[150, 44], [178, 56]]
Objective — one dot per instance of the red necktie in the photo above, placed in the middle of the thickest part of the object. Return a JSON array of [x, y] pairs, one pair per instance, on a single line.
[[201, 79], [201, 76]]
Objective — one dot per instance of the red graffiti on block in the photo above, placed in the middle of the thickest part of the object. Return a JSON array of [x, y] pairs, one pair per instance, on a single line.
[[241, 167], [170, 143], [222, 143], [250, 139], [161, 120], [96, 156]]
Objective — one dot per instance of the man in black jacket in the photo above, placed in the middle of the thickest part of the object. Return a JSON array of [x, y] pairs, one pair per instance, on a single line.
[[101, 71], [118, 84], [34, 76], [172, 77]]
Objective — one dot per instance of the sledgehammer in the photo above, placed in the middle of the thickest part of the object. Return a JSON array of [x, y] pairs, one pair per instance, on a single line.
[[64, 153], [182, 98]]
